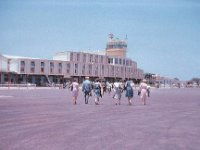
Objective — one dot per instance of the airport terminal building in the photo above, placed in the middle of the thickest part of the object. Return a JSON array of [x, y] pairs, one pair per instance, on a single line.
[[110, 64]]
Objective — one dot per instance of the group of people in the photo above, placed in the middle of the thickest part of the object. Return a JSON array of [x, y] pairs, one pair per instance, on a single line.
[[99, 89]]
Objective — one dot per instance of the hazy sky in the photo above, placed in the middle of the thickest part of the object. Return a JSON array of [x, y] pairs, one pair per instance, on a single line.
[[163, 35]]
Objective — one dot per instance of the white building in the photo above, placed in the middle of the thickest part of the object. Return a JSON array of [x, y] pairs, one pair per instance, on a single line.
[[67, 65]]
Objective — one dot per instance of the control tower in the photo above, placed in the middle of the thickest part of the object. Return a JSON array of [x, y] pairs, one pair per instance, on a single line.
[[116, 47]]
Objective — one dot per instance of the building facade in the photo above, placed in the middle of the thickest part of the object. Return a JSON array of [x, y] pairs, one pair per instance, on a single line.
[[68, 65]]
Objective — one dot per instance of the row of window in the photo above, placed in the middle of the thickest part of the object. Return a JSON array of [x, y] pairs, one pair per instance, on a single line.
[[116, 46], [120, 61], [97, 58], [96, 68], [42, 65], [92, 58]]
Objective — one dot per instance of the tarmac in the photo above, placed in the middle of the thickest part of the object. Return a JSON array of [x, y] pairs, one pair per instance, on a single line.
[[46, 119]]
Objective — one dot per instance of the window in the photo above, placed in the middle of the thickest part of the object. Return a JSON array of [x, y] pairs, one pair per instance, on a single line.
[[83, 69], [51, 64], [110, 60], [51, 67], [22, 67], [120, 61], [91, 58], [32, 66], [103, 69], [68, 68], [124, 61], [42, 70], [112, 71], [84, 57], [22, 63], [76, 69], [42, 64], [96, 59], [90, 69], [116, 60], [101, 59], [76, 66], [96, 70], [32, 70], [78, 57], [59, 67], [127, 62], [42, 67], [71, 56]]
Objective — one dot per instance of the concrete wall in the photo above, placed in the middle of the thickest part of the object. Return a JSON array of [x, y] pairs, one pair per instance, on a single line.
[[3, 64]]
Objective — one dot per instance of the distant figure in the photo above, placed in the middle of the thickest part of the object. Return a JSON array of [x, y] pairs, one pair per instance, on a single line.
[[87, 88], [98, 89], [117, 92], [75, 89], [148, 90], [103, 84], [109, 87], [143, 91], [129, 91]]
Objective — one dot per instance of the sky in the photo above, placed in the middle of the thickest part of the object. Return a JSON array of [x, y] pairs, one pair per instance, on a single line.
[[163, 36]]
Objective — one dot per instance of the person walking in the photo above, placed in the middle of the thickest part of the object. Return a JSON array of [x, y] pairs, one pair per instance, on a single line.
[[98, 89], [75, 89], [117, 92], [109, 87], [129, 91], [87, 88], [148, 90], [143, 91], [103, 85]]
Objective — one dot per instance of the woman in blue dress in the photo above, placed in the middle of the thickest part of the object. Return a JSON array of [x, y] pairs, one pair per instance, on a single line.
[[97, 91], [129, 91]]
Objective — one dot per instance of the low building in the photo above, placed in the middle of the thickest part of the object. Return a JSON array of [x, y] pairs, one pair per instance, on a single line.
[[161, 81], [67, 65]]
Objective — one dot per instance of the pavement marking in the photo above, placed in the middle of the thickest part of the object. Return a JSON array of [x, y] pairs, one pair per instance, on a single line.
[[5, 96]]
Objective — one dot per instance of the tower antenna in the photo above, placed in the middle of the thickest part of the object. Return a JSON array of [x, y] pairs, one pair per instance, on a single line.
[[111, 36]]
